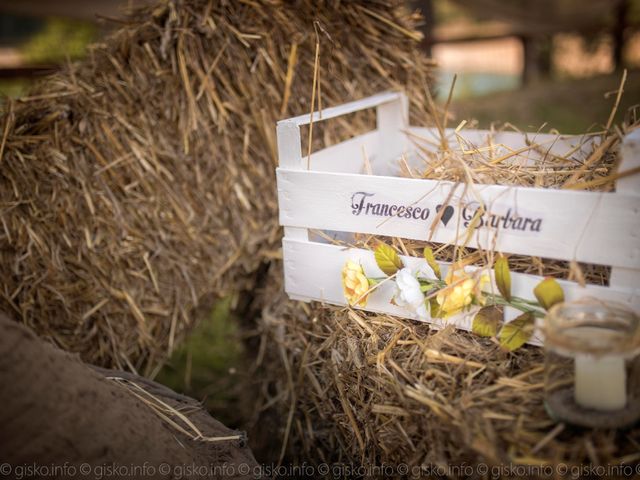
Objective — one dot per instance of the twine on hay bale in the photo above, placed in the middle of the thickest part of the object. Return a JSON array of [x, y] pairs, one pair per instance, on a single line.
[[139, 183]]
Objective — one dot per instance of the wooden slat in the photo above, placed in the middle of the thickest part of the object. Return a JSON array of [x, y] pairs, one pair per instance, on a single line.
[[599, 228], [346, 108], [347, 156], [541, 143], [630, 153], [290, 156], [312, 272]]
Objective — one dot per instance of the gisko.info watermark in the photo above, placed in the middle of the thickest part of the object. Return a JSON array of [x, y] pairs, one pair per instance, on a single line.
[[308, 470]]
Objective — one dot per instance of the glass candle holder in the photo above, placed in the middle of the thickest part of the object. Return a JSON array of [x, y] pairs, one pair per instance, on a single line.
[[592, 364]]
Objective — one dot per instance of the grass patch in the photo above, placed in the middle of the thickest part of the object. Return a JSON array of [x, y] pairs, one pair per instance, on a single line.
[[208, 364], [58, 40], [571, 106]]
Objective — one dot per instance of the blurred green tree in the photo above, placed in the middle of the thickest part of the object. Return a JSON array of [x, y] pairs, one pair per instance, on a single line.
[[59, 39]]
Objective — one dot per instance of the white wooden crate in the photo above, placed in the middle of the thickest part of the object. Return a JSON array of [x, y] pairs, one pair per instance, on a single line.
[[325, 192]]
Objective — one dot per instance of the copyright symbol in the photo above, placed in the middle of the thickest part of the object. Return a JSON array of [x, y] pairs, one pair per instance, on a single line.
[[85, 469], [164, 469], [403, 468], [244, 469], [5, 469], [562, 469], [483, 468], [323, 469]]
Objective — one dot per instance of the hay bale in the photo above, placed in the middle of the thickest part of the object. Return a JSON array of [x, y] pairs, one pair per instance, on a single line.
[[138, 184], [369, 389]]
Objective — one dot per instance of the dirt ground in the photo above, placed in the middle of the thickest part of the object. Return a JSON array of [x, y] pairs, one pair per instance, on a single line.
[[61, 419]]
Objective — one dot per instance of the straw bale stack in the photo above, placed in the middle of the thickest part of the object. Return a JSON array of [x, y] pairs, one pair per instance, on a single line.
[[139, 184]]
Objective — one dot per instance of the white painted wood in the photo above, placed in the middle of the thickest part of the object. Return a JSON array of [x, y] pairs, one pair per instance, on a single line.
[[392, 120], [573, 225], [621, 276], [516, 148], [630, 153], [347, 156], [630, 159], [530, 145], [313, 272], [593, 227], [290, 156], [344, 109], [289, 148]]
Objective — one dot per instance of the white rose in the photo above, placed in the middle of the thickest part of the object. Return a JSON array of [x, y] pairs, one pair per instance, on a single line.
[[408, 293]]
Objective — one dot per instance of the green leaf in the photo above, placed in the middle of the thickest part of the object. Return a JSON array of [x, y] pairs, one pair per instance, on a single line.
[[425, 287], [548, 292], [431, 260], [503, 277], [516, 333], [487, 320], [387, 259], [434, 308]]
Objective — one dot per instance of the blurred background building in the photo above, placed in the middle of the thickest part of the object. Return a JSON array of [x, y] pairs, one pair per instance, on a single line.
[[523, 61]]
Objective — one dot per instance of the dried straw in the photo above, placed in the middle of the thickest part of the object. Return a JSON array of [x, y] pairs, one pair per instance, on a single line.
[[378, 390], [139, 184], [372, 389], [175, 418]]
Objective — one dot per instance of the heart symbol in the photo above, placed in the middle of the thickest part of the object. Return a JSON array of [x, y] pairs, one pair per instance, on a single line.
[[446, 215]]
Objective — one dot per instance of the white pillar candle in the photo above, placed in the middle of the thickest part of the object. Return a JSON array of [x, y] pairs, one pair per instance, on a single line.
[[600, 382]]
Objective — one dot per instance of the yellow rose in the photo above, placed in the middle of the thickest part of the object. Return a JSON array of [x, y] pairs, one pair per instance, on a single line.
[[462, 290], [354, 283]]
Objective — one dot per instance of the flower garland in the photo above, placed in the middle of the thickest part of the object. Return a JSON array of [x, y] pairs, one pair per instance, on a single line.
[[458, 292]]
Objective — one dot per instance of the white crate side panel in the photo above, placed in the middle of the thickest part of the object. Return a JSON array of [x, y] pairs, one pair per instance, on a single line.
[[339, 158], [547, 143], [349, 156], [516, 148], [600, 228], [313, 272], [630, 153]]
